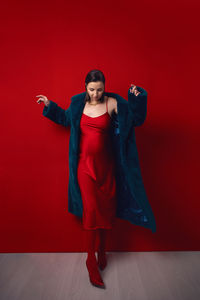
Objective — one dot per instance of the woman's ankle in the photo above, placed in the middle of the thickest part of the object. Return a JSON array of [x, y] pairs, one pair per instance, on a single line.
[[101, 250], [91, 256]]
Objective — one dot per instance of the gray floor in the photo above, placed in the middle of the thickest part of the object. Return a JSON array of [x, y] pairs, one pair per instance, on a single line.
[[128, 275]]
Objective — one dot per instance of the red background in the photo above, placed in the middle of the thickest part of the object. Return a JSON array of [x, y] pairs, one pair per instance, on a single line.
[[48, 47]]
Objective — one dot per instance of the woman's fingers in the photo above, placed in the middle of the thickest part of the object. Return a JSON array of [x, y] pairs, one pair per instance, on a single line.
[[41, 99], [134, 90], [133, 87], [40, 96]]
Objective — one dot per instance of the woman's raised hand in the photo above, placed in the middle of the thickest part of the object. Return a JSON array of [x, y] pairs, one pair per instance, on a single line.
[[134, 90], [43, 99]]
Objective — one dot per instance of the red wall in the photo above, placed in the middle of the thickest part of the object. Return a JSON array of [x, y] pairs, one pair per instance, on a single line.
[[48, 48]]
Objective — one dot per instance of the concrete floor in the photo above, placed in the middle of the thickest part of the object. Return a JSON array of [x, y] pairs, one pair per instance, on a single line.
[[128, 275]]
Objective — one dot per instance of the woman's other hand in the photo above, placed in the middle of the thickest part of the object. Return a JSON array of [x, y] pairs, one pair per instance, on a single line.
[[134, 90], [43, 99]]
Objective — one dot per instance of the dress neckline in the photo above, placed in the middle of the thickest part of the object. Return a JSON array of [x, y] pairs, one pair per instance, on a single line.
[[97, 116]]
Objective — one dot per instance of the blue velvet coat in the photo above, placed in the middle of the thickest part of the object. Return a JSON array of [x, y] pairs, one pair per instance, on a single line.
[[132, 201]]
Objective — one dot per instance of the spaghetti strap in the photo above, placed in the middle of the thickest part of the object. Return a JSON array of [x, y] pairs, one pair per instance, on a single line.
[[106, 104]]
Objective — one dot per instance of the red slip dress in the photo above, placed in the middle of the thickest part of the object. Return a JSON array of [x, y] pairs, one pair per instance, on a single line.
[[95, 173]]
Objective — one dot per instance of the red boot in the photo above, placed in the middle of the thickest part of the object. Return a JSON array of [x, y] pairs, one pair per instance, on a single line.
[[101, 259], [95, 277]]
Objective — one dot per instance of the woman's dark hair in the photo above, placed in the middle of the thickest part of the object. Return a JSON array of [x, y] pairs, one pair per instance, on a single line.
[[93, 76]]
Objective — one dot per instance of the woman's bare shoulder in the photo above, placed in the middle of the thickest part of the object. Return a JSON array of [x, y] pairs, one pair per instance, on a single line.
[[113, 104]]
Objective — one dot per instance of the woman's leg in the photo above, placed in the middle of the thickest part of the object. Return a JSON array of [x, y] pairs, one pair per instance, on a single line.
[[91, 242], [102, 239], [102, 261], [91, 262]]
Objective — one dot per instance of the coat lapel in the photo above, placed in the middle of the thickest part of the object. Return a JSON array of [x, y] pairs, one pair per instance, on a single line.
[[77, 106]]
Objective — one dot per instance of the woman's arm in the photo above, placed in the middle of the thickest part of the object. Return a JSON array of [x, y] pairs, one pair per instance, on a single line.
[[137, 105], [57, 114], [54, 112]]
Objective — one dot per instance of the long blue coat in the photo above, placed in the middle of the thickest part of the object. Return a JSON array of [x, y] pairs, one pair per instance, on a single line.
[[132, 201]]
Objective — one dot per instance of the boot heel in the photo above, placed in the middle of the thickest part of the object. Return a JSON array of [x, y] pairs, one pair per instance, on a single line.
[[94, 275]]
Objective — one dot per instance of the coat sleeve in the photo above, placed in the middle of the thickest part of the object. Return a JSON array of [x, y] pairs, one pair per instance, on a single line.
[[57, 114], [137, 106]]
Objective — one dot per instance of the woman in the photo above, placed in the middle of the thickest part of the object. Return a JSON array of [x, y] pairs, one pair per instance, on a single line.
[[96, 166]]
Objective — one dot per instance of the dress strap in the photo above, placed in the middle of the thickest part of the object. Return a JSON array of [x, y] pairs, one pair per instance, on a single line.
[[107, 104]]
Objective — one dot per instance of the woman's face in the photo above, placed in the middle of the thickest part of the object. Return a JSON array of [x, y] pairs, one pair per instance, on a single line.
[[95, 90]]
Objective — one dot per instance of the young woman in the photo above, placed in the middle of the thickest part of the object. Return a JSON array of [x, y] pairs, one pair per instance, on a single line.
[[96, 170]]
